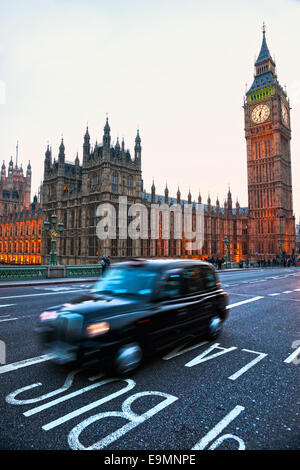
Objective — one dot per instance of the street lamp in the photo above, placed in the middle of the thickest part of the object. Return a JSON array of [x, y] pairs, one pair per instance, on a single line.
[[53, 234], [225, 244]]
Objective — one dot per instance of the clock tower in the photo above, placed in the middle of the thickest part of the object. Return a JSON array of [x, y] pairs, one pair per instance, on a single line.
[[268, 133]]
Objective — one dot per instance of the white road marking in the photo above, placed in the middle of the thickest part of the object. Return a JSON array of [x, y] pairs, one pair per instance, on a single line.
[[273, 295], [25, 363], [292, 356], [203, 357], [178, 351], [11, 398], [7, 305], [249, 365], [9, 319], [296, 290], [130, 384], [45, 293], [40, 408], [126, 413], [237, 304], [211, 435]]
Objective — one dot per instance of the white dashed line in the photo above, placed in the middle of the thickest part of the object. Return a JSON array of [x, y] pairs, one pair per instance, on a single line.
[[273, 295], [46, 293], [8, 319], [237, 304]]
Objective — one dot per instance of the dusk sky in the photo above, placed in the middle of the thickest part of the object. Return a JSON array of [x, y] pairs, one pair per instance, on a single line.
[[176, 69]]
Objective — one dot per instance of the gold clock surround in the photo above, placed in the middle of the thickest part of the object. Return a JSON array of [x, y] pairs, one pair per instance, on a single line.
[[260, 113]]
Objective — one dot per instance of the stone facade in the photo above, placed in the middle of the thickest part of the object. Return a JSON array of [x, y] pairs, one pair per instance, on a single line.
[[298, 239], [20, 221]]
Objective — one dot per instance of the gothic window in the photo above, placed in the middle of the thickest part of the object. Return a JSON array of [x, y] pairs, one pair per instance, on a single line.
[[115, 183], [72, 218], [65, 219], [64, 246], [95, 180], [72, 246], [92, 246], [79, 247], [79, 218], [114, 247], [91, 217], [130, 185], [129, 247]]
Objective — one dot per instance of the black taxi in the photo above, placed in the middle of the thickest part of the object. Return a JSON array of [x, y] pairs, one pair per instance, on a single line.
[[136, 308]]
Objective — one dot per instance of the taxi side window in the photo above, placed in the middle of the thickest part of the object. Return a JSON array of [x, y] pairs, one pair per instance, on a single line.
[[209, 278], [193, 278], [171, 287]]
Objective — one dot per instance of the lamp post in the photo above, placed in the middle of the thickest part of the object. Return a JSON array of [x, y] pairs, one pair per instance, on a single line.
[[225, 244], [53, 234]]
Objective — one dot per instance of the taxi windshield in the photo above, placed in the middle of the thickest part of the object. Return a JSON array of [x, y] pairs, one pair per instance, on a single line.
[[129, 281]]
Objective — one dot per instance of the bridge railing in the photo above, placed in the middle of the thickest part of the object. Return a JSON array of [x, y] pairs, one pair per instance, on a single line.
[[8, 273], [14, 273], [83, 271]]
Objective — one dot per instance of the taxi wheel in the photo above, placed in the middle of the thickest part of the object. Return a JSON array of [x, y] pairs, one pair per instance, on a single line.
[[127, 359], [215, 327]]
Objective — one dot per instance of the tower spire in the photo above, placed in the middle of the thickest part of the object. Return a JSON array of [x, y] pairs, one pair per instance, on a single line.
[[17, 153], [264, 54]]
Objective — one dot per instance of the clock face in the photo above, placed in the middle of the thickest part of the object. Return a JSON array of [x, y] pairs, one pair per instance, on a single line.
[[284, 114], [260, 113]]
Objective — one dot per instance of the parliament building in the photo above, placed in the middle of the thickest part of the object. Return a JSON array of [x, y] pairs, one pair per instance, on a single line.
[[263, 230]]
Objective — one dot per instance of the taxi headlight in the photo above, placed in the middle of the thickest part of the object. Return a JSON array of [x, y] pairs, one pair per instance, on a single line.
[[98, 328], [48, 316]]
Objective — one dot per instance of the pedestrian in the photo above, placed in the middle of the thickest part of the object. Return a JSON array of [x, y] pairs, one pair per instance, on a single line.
[[103, 264]]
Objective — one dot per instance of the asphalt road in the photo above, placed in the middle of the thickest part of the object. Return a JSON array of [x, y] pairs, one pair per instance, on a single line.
[[241, 391]]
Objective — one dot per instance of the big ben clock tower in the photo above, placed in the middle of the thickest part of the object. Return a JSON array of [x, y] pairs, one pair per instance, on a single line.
[[268, 134]]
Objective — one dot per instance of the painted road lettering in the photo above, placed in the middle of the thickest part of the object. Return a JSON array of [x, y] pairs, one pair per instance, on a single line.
[[126, 413], [204, 356], [11, 398], [248, 366], [213, 433]]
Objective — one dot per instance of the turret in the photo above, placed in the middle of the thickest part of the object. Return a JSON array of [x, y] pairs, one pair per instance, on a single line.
[[229, 200], [118, 149], [153, 193], [28, 171], [217, 205], [10, 168], [106, 138], [178, 196], [3, 170], [189, 197], [237, 207], [86, 146], [137, 147], [166, 194], [61, 155]]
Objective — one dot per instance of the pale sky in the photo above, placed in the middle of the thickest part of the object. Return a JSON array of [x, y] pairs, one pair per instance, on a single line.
[[176, 69]]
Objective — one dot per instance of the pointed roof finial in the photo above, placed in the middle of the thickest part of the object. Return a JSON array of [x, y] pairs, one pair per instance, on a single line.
[[264, 51], [17, 153]]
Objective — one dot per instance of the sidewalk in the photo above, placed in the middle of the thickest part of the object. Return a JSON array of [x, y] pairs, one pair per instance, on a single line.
[[45, 282]]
